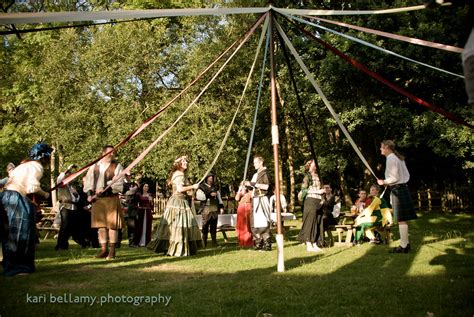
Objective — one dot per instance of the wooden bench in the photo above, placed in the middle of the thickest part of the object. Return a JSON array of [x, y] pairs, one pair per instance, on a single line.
[[224, 229], [341, 230], [46, 224]]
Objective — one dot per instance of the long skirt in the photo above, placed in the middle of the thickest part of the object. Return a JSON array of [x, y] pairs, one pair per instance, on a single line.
[[402, 204], [143, 222], [242, 229], [178, 233], [312, 228], [19, 240]]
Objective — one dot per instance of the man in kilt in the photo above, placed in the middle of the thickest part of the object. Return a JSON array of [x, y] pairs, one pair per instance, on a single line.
[[396, 177], [103, 184]]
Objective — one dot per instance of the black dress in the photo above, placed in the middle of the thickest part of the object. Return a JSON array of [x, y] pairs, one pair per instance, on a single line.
[[312, 227]]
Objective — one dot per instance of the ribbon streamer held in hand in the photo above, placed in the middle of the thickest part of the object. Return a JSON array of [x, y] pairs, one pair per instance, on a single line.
[[152, 118]]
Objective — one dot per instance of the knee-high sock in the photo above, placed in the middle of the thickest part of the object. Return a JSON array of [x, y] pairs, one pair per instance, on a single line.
[[403, 227], [102, 235], [113, 236]]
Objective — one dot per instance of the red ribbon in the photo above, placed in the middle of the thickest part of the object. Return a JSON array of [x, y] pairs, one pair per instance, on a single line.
[[145, 124], [400, 90]]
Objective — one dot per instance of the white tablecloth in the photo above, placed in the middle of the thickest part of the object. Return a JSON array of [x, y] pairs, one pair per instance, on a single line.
[[231, 219]]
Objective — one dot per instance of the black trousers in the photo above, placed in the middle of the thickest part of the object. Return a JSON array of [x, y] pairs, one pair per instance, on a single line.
[[209, 224], [72, 225]]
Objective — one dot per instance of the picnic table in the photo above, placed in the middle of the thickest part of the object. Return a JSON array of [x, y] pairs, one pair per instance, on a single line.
[[46, 223], [227, 222]]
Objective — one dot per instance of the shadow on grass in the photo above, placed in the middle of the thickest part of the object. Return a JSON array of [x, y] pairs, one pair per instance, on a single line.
[[236, 282]]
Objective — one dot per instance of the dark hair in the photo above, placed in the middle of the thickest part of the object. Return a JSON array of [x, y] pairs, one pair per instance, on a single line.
[[105, 147], [307, 165]]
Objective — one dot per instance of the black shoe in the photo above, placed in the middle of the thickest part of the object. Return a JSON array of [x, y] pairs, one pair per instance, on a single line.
[[57, 248], [408, 247], [400, 249]]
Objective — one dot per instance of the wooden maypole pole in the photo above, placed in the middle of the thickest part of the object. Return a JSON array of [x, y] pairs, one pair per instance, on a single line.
[[275, 142]]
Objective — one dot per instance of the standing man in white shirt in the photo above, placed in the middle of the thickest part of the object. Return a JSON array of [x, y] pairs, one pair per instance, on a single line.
[[261, 216], [103, 184], [397, 177]]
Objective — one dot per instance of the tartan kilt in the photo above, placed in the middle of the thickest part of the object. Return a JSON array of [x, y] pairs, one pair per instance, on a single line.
[[402, 204]]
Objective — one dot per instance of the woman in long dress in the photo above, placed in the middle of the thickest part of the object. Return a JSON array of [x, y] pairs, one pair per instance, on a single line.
[[243, 229], [312, 229], [18, 214], [144, 217], [178, 233]]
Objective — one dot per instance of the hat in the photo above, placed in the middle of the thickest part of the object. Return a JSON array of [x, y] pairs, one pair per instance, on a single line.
[[40, 151]]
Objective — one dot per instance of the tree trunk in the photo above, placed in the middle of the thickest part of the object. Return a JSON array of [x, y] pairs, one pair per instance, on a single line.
[[334, 138], [54, 197]]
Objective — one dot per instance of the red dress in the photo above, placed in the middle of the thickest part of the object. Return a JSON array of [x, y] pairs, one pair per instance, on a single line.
[[242, 229]]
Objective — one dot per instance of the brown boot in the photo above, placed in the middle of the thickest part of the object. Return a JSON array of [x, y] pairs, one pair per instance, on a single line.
[[103, 251], [111, 252]]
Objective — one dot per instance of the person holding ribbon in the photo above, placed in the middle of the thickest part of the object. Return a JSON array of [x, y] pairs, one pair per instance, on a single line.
[[18, 213], [103, 185], [397, 177], [261, 215], [178, 233]]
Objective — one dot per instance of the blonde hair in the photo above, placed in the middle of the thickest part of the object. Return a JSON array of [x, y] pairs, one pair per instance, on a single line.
[[176, 166]]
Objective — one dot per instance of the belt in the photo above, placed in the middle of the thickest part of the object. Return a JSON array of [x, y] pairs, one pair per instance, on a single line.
[[398, 185], [69, 206]]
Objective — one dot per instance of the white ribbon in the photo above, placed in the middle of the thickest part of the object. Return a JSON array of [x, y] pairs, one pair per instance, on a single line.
[[352, 38], [323, 97]]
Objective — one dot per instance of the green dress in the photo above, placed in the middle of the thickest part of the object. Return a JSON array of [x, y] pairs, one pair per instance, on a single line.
[[178, 233], [373, 216]]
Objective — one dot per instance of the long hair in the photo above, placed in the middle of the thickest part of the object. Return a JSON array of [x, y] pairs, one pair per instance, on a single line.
[[307, 165], [176, 166], [391, 145]]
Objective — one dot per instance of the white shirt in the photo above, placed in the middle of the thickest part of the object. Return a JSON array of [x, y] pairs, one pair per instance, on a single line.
[[282, 203], [25, 178], [117, 186], [396, 171]]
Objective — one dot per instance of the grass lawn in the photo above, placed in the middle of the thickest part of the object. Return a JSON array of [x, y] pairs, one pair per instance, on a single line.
[[436, 278]]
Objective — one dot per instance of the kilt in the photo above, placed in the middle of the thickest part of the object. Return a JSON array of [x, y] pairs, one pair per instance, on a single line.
[[107, 213], [18, 234], [402, 205]]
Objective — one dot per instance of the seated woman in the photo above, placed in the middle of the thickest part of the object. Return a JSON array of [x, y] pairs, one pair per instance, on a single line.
[[376, 214]]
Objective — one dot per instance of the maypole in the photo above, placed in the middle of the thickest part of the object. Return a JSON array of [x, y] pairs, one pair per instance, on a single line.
[[275, 142]]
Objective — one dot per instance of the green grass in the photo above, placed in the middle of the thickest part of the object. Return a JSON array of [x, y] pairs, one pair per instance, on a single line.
[[436, 277]]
